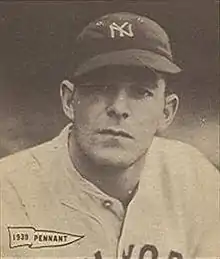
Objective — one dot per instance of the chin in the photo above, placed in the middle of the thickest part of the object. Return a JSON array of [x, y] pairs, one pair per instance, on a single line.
[[113, 158]]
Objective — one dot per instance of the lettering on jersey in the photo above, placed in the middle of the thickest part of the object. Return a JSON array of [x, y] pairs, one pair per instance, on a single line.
[[29, 236], [148, 250], [98, 255], [175, 255], [123, 30], [128, 255]]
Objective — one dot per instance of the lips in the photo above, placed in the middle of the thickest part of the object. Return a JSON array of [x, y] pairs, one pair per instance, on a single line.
[[115, 132]]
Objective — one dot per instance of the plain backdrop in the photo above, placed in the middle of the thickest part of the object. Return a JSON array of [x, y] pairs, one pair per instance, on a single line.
[[37, 49]]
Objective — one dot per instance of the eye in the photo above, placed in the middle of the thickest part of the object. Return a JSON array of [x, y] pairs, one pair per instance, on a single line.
[[141, 92]]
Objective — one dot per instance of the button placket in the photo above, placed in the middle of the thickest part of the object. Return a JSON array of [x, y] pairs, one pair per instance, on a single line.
[[114, 208]]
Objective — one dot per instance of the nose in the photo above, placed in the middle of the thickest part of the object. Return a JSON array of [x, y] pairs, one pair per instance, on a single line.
[[118, 106]]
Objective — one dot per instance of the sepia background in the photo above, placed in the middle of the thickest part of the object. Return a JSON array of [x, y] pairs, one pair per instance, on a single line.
[[37, 49]]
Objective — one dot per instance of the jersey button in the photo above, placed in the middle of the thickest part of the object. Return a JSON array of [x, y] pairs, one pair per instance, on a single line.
[[107, 204]]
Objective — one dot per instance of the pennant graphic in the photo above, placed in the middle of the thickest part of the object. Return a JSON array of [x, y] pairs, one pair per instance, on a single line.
[[33, 238]]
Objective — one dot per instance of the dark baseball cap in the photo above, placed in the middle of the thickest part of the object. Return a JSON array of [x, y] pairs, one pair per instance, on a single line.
[[124, 39]]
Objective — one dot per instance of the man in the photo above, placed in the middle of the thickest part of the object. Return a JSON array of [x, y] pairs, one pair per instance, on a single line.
[[108, 186]]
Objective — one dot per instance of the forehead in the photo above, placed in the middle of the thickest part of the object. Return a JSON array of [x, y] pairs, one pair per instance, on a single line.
[[116, 74]]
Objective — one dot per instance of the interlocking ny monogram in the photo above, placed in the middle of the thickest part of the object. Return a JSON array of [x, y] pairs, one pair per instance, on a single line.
[[114, 27]]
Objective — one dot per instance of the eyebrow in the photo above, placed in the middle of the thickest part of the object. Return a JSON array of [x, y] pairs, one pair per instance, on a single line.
[[87, 80], [144, 84]]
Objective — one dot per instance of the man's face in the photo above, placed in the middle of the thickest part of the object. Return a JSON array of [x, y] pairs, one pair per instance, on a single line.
[[117, 113]]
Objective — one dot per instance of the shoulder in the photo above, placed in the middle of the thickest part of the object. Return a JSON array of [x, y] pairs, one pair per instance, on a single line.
[[31, 170], [30, 164], [26, 160], [25, 176], [35, 158], [186, 164], [178, 152], [170, 145]]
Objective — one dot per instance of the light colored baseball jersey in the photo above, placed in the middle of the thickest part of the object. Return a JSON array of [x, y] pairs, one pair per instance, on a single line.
[[174, 213]]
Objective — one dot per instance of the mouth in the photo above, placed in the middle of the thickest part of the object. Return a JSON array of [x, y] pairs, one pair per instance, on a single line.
[[115, 132]]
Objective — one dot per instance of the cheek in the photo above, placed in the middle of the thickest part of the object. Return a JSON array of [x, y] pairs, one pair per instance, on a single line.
[[147, 123], [147, 116], [88, 110]]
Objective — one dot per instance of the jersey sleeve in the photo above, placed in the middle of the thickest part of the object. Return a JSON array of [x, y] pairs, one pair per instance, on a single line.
[[13, 214], [208, 191]]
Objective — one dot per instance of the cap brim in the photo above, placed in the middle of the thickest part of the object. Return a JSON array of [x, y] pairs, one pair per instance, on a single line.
[[131, 57]]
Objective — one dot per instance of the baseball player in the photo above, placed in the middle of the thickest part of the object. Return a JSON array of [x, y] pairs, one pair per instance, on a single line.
[[108, 186]]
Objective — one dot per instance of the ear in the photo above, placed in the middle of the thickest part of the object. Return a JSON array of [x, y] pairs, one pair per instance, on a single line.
[[169, 112], [67, 90]]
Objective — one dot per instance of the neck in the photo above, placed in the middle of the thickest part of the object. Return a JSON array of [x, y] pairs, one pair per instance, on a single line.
[[115, 181]]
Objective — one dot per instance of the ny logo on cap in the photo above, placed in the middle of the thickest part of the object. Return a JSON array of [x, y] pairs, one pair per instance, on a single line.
[[124, 29]]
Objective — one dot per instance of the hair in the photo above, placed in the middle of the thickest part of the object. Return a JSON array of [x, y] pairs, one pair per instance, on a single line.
[[172, 85]]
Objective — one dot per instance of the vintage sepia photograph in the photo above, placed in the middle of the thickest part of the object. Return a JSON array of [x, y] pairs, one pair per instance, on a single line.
[[109, 129]]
